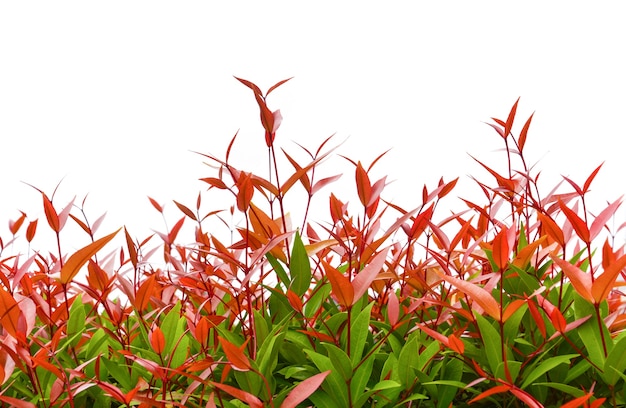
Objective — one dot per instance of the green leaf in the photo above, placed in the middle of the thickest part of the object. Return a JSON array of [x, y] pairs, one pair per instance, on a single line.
[[546, 366], [568, 389], [98, 343], [408, 362], [452, 371], [267, 356], [589, 332], [319, 295], [278, 269], [426, 356], [333, 384], [358, 333], [299, 267], [361, 377], [340, 360], [491, 341], [615, 363], [179, 351], [172, 327], [76, 321], [119, 371], [385, 385]]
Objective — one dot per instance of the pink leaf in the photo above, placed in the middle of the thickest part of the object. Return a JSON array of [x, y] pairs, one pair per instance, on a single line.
[[303, 390], [365, 277]]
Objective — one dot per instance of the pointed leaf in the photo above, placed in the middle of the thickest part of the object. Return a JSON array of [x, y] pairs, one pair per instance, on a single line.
[[602, 218], [495, 390], [501, 249], [521, 142], [579, 279], [51, 214], [276, 85], [251, 400], [155, 204], [303, 390], [579, 225], [235, 355], [157, 340], [365, 277], [341, 286], [590, 178], [551, 229], [363, 185], [479, 295], [510, 119], [80, 258], [9, 312], [30, 231], [250, 85], [299, 267], [603, 285], [186, 210]]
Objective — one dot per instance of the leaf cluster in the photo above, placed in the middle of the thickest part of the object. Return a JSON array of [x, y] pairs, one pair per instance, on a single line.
[[513, 301]]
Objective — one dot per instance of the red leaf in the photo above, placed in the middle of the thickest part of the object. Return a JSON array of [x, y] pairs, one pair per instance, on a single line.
[[551, 229], [522, 136], [573, 184], [14, 226], [580, 280], [9, 312], [157, 340], [456, 344], [512, 308], [557, 319], [276, 85], [366, 276], [186, 210], [156, 205], [393, 308], [244, 396], [235, 355], [534, 312], [590, 178], [579, 225], [246, 191], [17, 403], [500, 249], [445, 190], [303, 390], [604, 283], [577, 402], [214, 182], [323, 182], [495, 390], [602, 218], [250, 85], [421, 222], [526, 397], [171, 236], [51, 214], [80, 257], [510, 119], [30, 230], [294, 300], [477, 294], [132, 252], [144, 293], [341, 286], [363, 185]]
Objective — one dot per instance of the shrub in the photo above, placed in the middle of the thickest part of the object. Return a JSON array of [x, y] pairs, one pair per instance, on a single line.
[[513, 301]]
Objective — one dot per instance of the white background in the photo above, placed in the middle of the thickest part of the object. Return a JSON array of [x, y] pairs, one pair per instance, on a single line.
[[111, 98]]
